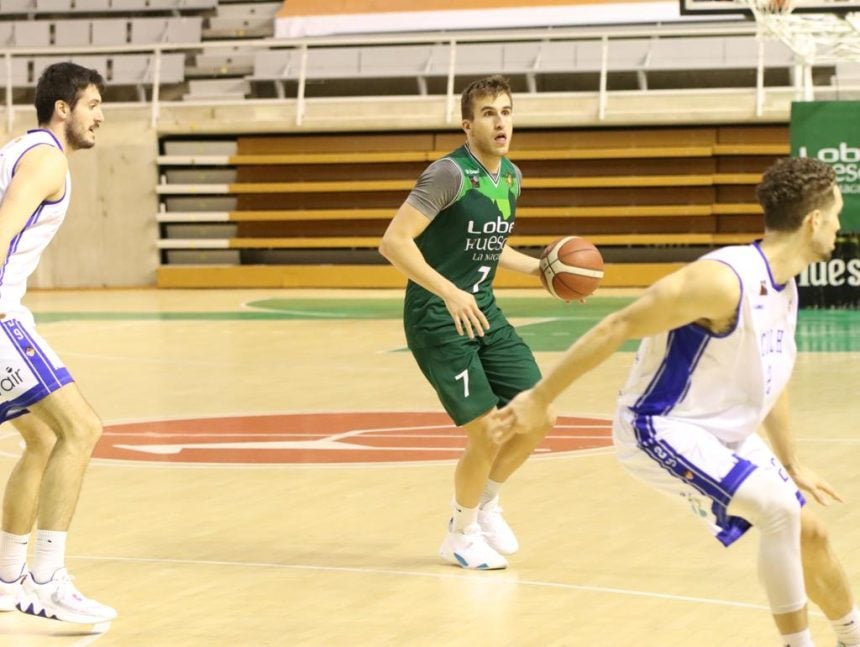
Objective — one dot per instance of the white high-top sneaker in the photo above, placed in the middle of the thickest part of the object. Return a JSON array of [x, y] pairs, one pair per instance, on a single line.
[[496, 530], [468, 548]]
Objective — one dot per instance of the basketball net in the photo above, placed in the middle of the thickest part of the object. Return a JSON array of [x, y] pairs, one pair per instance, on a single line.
[[824, 37]]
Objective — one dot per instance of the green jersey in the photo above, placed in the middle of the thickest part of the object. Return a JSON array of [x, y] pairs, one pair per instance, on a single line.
[[472, 214]]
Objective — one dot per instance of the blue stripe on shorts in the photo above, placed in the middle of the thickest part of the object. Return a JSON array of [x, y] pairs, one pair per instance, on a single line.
[[720, 492], [50, 378]]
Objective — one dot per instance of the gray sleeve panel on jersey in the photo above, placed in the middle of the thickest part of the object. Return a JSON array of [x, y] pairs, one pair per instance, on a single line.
[[519, 179], [437, 188]]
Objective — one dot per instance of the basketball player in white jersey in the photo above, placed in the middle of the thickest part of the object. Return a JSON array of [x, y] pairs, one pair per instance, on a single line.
[[37, 394], [717, 352]]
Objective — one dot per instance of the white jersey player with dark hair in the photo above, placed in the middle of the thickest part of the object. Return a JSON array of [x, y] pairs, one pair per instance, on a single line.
[[717, 353], [37, 393]]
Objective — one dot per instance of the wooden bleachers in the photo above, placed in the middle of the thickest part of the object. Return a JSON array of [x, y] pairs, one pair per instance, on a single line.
[[309, 210]]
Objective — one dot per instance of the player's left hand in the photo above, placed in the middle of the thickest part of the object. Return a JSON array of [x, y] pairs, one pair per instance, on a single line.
[[807, 480]]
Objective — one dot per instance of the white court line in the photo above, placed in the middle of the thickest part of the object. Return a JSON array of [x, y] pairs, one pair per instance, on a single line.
[[208, 415], [169, 361], [468, 577], [155, 464], [184, 434]]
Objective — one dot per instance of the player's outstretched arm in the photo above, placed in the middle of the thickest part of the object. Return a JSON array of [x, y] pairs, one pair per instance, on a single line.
[[39, 175], [398, 246], [705, 291], [777, 426]]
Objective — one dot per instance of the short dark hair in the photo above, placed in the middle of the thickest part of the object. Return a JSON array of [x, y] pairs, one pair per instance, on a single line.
[[63, 82], [488, 86], [792, 188]]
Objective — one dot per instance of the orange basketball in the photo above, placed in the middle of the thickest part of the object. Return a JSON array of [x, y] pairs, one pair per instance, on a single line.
[[571, 268]]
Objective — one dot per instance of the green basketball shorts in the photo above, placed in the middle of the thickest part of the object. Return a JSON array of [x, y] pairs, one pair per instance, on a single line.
[[471, 376]]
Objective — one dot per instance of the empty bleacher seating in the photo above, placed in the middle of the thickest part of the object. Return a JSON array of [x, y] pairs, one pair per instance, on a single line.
[[263, 210], [245, 20], [31, 34], [227, 61], [639, 57], [72, 33], [139, 70], [107, 32], [53, 6], [166, 30], [20, 72], [17, 7], [92, 6]]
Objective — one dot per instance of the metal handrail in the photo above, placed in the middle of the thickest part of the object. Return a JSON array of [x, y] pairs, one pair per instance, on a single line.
[[602, 34]]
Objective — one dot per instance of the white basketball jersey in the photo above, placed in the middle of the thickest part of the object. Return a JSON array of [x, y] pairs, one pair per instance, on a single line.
[[27, 246], [724, 383]]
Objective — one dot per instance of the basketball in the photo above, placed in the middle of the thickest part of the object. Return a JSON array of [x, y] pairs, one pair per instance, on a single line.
[[571, 268]]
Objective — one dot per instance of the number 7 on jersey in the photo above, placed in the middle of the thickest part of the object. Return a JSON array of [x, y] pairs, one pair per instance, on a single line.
[[465, 377], [485, 272]]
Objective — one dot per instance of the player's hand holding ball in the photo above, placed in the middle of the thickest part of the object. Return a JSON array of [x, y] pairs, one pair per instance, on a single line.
[[571, 268]]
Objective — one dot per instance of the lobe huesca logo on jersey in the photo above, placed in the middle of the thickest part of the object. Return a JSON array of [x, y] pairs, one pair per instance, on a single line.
[[320, 438]]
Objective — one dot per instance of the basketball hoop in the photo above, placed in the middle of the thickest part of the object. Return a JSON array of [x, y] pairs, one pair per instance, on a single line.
[[772, 7], [817, 36]]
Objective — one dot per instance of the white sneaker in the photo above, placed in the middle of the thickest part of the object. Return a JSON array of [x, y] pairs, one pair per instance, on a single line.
[[9, 592], [468, 548], [496, 530], [60, 600]]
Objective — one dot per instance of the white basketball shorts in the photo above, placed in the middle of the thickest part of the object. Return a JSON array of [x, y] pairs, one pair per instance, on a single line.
[[29, 369], [683, 461]]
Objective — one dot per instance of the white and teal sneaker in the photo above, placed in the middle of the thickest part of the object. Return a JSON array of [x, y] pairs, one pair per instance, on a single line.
[[496, 530], [469, 549]]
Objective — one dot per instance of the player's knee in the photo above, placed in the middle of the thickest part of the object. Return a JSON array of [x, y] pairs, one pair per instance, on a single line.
[[483, 448], [86, 432], [813, 533], [768, 503], [41, 444], [781, 509]]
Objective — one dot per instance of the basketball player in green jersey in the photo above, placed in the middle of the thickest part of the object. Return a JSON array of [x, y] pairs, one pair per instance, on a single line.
[[448, 237]]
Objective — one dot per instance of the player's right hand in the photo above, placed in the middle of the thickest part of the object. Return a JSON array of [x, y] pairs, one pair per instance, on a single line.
[[525, 414], [467, 316]]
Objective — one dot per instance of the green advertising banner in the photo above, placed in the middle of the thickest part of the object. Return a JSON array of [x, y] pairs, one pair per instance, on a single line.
[[830, 131]]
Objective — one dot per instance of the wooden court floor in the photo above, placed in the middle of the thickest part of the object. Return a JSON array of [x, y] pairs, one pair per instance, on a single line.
[[275, 472]]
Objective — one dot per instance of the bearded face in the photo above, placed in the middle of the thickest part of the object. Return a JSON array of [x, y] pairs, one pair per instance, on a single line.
[[84, 119]]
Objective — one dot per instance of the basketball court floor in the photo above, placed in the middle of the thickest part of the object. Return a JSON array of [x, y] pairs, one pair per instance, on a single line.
[[275, 471]]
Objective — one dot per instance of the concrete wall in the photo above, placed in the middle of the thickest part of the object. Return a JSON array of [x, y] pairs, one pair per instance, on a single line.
[[110, 233]]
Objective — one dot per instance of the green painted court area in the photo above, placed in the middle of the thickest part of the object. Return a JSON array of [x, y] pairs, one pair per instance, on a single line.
[[546, 324], [554, 325]]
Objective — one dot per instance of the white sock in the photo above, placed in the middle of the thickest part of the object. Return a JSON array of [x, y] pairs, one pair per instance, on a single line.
[[464, 517], [848, 628], [800, 639], [50, 554], [13, 555], [491, 491]]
